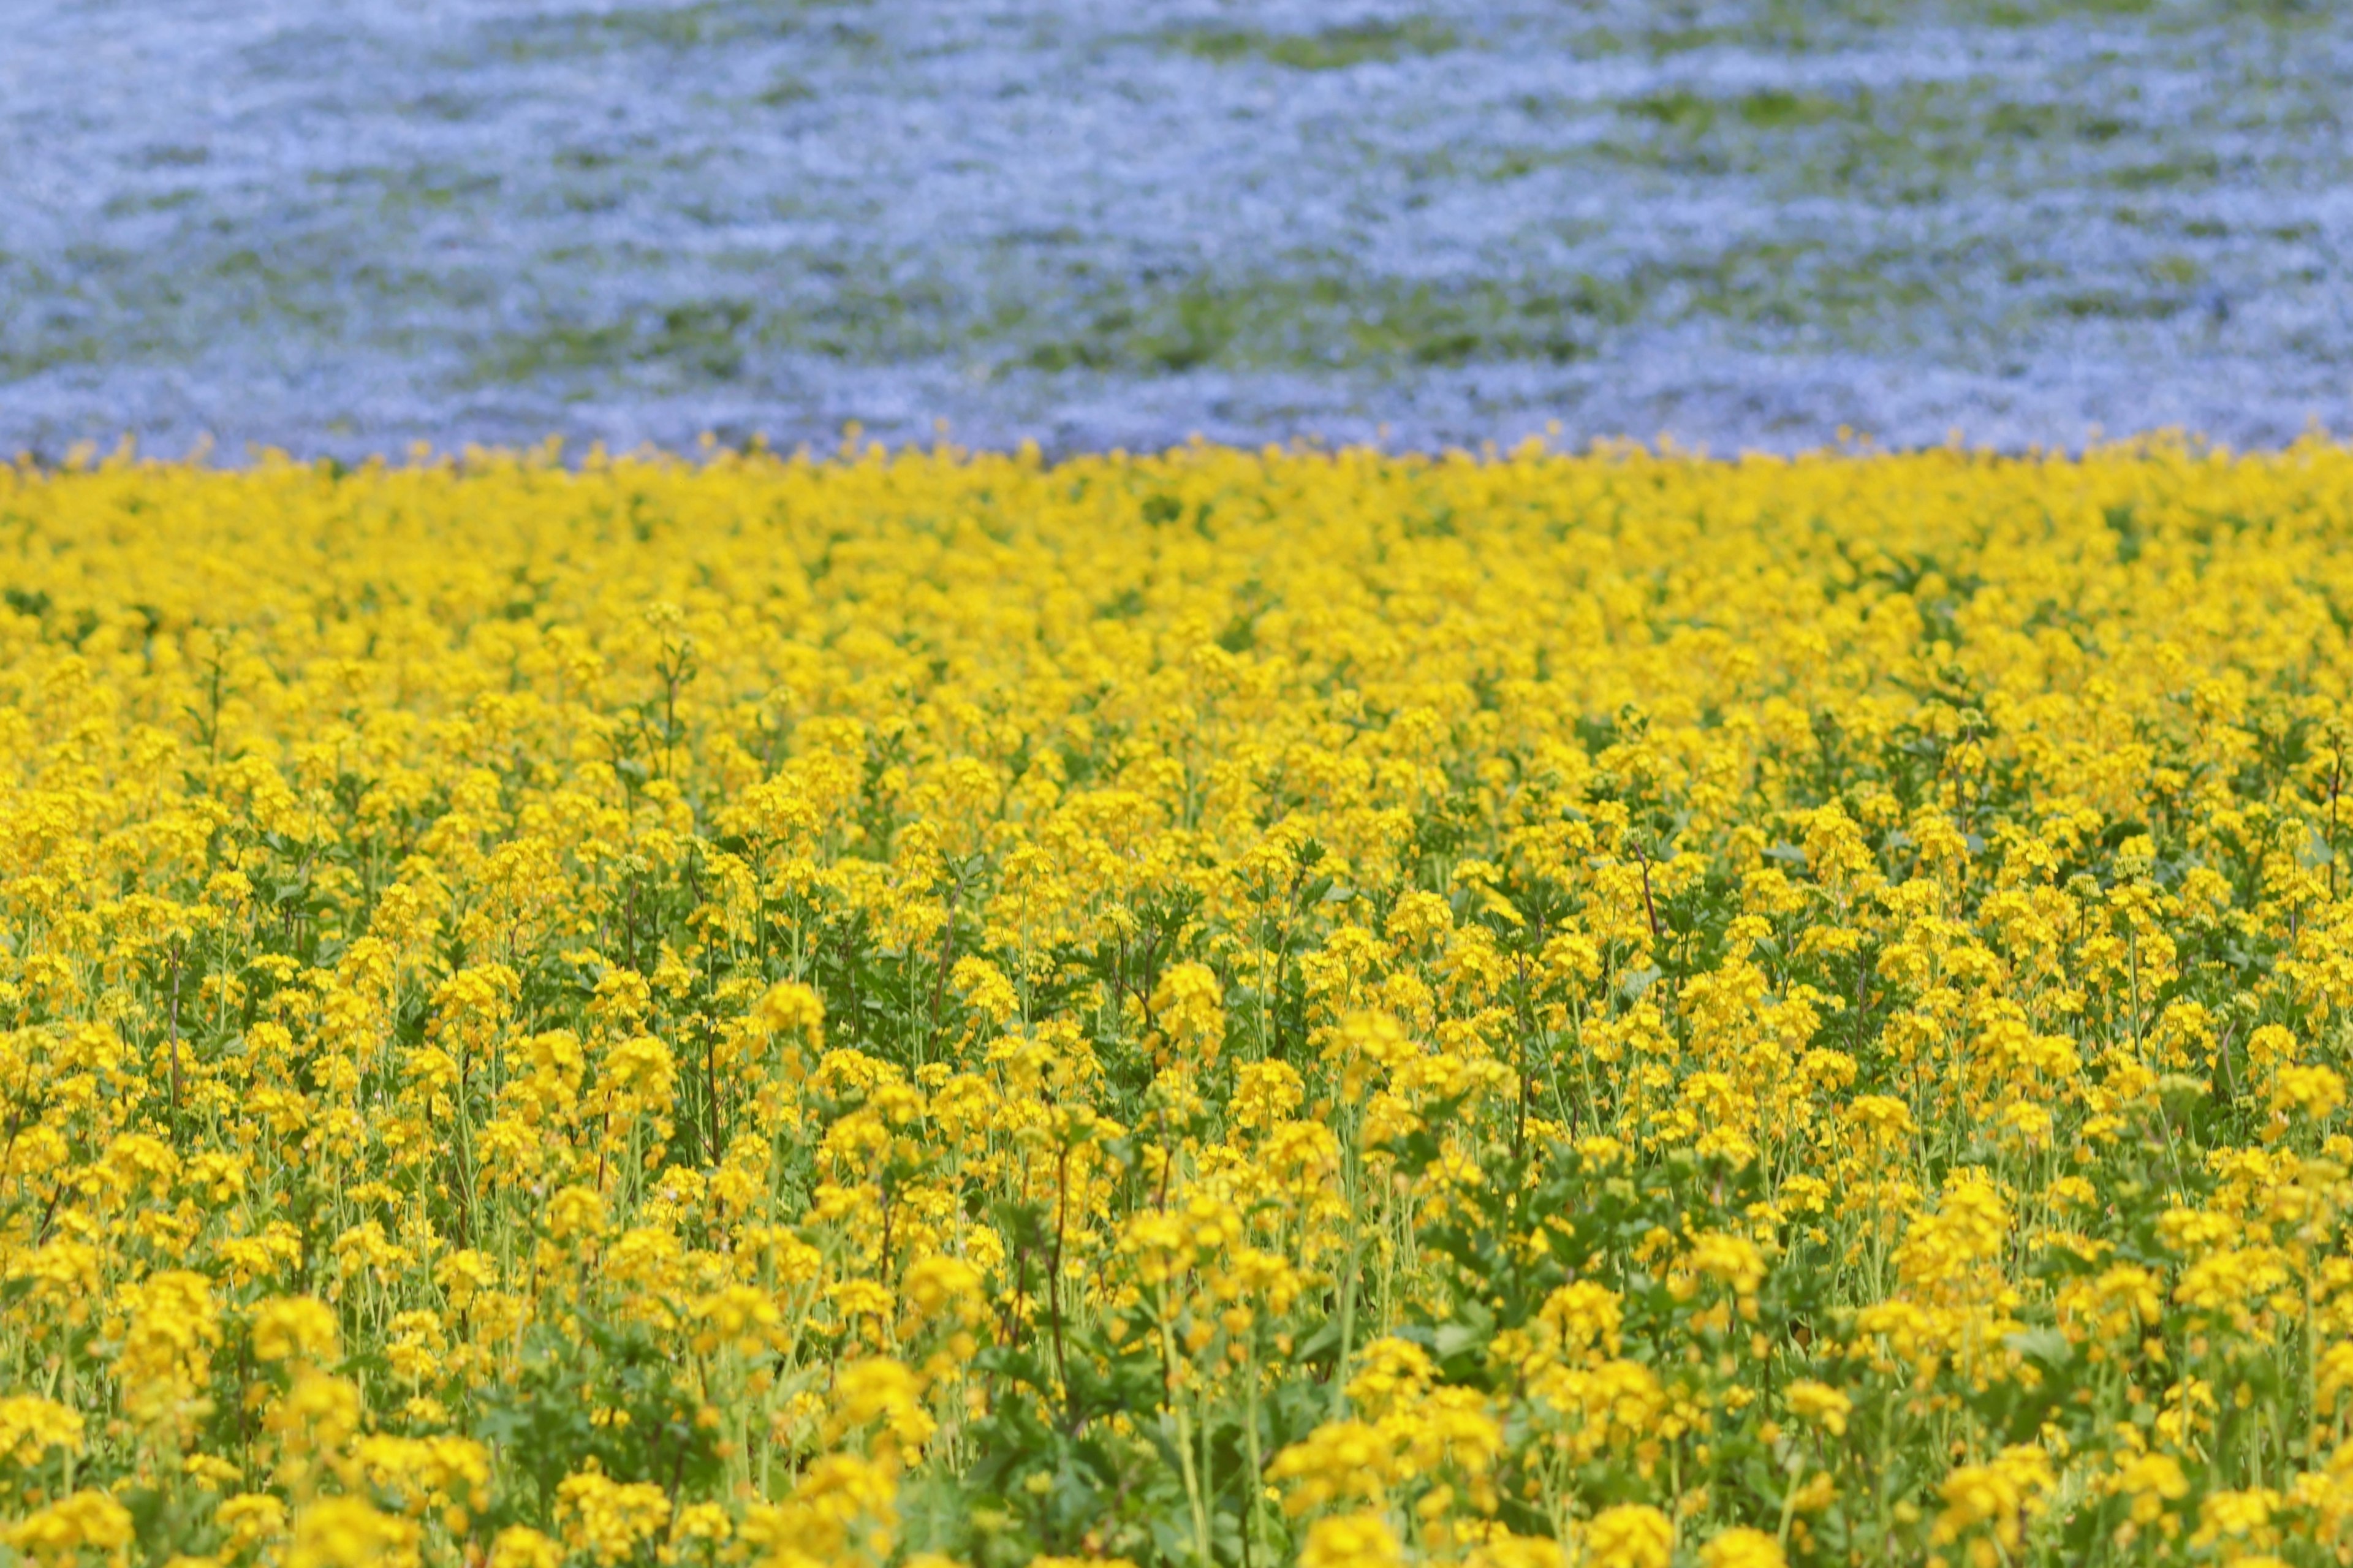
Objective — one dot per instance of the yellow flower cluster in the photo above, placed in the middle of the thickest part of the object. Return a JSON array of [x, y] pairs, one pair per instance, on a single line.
[[1222, 1008]]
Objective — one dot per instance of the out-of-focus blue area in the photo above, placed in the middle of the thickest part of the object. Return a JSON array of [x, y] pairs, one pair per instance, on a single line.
[[344, 227]]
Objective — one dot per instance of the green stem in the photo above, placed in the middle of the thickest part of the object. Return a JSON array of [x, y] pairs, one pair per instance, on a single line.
[[1184, 1440]]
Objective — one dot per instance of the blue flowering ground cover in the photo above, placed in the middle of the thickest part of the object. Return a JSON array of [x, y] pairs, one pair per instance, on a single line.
[[1741, 223]]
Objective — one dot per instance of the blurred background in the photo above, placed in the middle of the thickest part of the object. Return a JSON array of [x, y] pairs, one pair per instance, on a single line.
[[341, 229]]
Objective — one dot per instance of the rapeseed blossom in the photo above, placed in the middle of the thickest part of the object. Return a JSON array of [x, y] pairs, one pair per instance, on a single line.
[[1220, 1008]]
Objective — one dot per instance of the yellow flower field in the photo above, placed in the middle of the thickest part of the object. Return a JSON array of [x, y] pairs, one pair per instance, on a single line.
[[1221, 1008]]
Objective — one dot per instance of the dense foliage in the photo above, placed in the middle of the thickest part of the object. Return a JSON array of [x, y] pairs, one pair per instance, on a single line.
[[1220, 1008]]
